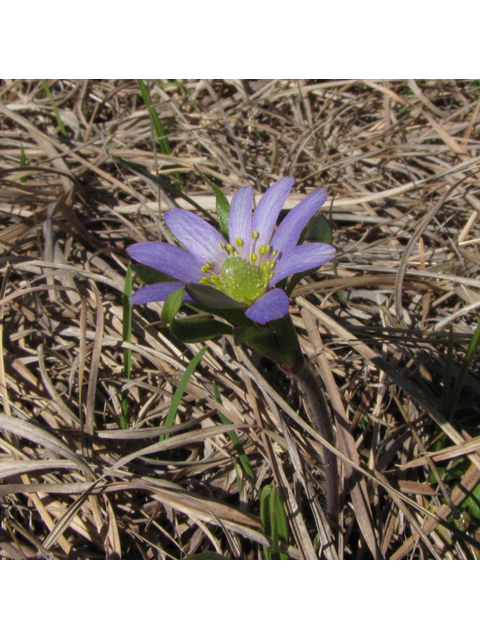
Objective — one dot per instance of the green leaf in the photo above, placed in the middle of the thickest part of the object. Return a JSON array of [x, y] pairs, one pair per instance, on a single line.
[[236, 317], [198, 329], [318, 230], [211, 298], [172, 306], [277, 340], [244, 334], [223, 206], [148, 275]]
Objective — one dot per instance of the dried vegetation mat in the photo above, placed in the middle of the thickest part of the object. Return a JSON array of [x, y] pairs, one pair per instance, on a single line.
[[116, 443]]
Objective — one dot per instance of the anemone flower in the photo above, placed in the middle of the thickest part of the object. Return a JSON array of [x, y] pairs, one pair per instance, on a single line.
[[243, 271]]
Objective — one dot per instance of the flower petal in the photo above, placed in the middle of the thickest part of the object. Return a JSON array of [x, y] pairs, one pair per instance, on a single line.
[[197, 236], [240, 220], [271, 306], [302, 258], [269, 207], [154, 292], [290, 229], [168, 259]]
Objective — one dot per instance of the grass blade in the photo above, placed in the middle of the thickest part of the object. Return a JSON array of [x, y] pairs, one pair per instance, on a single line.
[[466, 364], [274, 521], [61, 126], [157, 126], [182, 385]]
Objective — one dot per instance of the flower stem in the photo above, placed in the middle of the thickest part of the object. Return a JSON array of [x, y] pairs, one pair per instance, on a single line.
[[317, 408]]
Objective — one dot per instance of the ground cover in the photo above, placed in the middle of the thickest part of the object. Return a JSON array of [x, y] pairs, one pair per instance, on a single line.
[[118, 440]]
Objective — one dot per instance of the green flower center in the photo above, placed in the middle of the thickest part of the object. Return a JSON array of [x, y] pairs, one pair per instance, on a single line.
[[242, 280]]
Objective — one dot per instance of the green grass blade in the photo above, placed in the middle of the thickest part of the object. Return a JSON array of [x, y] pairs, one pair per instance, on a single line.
[[157, 126], [127, 336], [242, 456], [182, 385], [61, 126], [265, 516], [467, 361], [274, 523], [222, 206], [282, 522]]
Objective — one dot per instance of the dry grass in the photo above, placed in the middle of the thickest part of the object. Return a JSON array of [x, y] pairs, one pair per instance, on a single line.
[[402, 160]]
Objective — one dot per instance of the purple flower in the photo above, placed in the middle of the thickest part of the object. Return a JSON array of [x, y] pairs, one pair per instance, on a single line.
[[244, 271]]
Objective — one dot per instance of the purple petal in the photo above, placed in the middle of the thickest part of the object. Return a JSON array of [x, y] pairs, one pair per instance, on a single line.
[[269, 207], [302, 258], [240, 220], [169, 259], [271, 306], [157, 293], [197, 236], [290, 229]]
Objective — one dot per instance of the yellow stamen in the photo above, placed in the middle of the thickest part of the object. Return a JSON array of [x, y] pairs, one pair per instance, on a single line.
[[239, 242], [215, 279], [205, 281], [275, 252], [255, 235], [253, 257]]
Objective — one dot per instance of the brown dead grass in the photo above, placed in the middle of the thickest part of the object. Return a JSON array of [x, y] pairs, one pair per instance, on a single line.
[[402, 160]]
